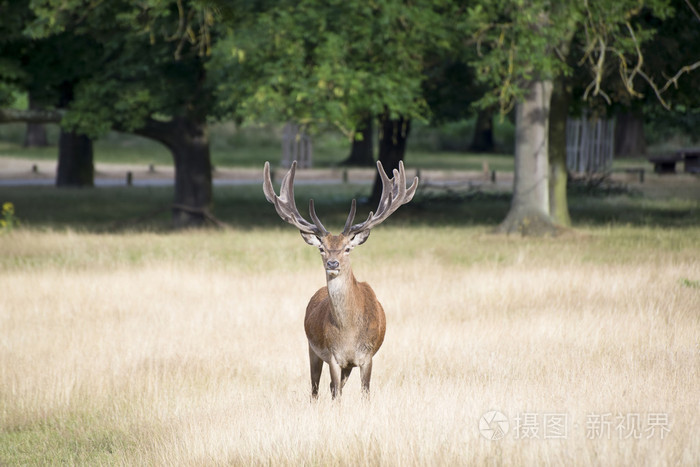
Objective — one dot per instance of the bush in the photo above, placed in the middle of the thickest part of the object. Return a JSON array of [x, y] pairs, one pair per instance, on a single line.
[[8, 221]]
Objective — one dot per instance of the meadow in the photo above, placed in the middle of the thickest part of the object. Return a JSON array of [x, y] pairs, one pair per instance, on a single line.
[[129, 344]]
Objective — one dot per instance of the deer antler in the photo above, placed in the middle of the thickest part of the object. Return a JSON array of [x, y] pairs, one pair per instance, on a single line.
[[285, 205], [394, 194]]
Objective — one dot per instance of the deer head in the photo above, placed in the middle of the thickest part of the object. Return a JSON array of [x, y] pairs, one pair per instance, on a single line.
[[335, 249]]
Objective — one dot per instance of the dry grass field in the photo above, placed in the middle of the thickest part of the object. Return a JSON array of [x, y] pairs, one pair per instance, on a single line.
[[189, 349]]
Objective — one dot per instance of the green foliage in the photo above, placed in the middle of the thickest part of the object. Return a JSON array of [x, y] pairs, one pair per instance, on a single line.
[[669, 56], [515, 43], [69, 438], [12, 73], [518, 41], [331, 62], [8, 220], [116, 64], [316, 63], [691, 284]]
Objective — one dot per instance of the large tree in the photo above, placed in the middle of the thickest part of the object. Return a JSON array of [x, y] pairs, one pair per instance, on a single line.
[[46, 70], [672, 62], [319, 63], [143, 69], [153, 82], [525, 48]]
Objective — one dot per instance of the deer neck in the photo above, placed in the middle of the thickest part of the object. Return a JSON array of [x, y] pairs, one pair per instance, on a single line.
[[342, 291]]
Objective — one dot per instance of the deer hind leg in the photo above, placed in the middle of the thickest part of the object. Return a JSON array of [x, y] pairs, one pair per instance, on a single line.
[[365, 376], [316, 365]]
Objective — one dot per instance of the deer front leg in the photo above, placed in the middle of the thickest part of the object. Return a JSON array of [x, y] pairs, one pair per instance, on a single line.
[[336, 388], [316, 365], [365, 376]]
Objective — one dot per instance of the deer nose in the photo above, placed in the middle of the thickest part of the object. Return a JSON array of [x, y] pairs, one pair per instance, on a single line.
[[332, 264]]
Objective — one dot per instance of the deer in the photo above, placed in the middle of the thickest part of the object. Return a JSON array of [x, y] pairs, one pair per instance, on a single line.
[[344, 322]]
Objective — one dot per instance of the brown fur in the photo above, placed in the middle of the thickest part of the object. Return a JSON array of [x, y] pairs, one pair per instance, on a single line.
[[345, 323]]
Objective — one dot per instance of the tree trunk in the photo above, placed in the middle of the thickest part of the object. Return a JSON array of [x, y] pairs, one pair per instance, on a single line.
[[75, 160], [188, 140], [483, 131], [193, 182], [392, 149], [362, 150], [529, 210], [629, 135], [559, 112], [35, 135]]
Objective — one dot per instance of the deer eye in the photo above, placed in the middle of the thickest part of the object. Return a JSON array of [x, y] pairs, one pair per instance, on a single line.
[[347, 250], [321, 249]]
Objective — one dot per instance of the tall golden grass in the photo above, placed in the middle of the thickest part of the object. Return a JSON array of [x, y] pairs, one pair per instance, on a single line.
[[188, 349]]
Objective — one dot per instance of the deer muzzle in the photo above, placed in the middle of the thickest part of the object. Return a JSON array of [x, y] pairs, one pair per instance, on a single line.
[[332, 267]]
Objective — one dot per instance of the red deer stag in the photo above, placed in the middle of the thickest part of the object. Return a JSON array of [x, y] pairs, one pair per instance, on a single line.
[[344, 321]]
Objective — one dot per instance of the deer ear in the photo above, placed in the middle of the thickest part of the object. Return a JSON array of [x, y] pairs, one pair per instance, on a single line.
[[359, 238], [311, 239]]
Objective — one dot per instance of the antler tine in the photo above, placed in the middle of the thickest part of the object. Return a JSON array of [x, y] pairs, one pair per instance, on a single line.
[[387, 190], [399, 189], [410, 191], [394, 194], [267, 184], [285, 205], [351, 217], [315, 218]]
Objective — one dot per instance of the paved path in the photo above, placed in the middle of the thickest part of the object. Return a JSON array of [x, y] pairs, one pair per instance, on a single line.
[[155, 182], [25, 172]]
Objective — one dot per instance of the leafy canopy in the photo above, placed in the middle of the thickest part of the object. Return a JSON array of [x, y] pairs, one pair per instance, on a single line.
[[140, 60], [521, 40], [331, 62]]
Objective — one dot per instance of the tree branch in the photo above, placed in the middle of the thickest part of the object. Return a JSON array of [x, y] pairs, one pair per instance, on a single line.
[[674, 80], [638, 68], [695, 12], [655, 89], [157, 130]]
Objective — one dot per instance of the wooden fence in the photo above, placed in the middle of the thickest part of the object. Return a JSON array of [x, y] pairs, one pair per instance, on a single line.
[[589, 145]]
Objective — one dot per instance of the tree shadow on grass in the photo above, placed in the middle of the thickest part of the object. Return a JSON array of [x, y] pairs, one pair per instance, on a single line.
[[121, 209], [245, 210]]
